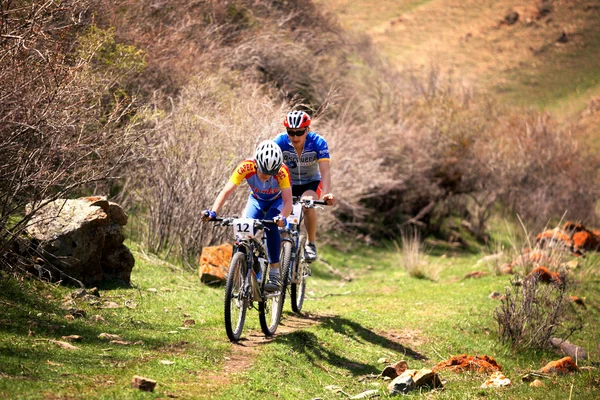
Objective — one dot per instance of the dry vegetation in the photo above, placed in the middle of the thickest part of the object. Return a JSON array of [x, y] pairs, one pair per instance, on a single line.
[[205, 80], [62, 107]]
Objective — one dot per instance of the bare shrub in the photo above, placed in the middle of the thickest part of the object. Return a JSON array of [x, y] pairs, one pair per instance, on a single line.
[[191, 155], [55, 136], [539, 170], [532, 312]]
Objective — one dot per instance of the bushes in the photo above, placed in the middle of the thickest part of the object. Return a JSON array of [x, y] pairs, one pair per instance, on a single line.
[[533, 312], [189, 157], [54, 138]]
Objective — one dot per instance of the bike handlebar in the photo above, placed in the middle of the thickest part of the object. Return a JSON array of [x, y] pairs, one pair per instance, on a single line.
[[258, 223], [309, 203]]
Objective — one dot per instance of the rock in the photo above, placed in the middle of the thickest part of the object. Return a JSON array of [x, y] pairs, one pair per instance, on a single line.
[[411, 379], [109, 336], [511, 18], [543, 274], [401, 385], [578, 300], [562, 38], [111, 304], [427, 378], [475, 274], [571, 350], [497, 379], [463, 362], [557, 238], [72, 338], [83, 239], [560, 367], [145, 384], [214, 263], [78, 313], [116, 214], [537, 383], [118, 264], [64, 345], [389, 372], [495, 295], [392, 371]]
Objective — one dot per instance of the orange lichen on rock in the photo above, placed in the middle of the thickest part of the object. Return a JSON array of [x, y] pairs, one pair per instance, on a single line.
[[463, 362], [582, 237], [214, 263], [585, 240], [563, 366], [573, 226], [554, 234], [544, 275]]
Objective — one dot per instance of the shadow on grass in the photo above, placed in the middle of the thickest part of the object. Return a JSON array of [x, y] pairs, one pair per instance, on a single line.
[[31, 320], [308, 343]]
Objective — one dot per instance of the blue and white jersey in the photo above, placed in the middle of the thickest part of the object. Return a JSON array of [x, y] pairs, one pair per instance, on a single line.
[[304, 169]]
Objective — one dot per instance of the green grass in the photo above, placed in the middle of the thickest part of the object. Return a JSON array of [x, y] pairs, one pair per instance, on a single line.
[[368, 309]]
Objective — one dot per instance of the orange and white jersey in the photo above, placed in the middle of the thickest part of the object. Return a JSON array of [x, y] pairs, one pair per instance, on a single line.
[[266, 191]]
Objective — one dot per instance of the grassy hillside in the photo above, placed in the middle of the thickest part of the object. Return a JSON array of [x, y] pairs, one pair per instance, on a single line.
[[523, 62]]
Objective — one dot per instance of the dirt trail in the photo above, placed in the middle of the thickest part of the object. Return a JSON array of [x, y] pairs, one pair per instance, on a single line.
[[245, 351]]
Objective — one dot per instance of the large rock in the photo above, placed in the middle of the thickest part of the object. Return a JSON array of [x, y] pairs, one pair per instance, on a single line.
[[214, 263], [83, 238]]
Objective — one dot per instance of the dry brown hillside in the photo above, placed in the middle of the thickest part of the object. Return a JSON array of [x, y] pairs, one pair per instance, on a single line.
[[531, 52]]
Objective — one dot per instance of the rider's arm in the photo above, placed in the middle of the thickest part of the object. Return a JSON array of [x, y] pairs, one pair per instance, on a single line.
[[286, 195], [223, 195], [325, 180]]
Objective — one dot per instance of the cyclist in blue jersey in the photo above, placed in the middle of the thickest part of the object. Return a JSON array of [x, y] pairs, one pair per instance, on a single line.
[[307, 156], [270, 198]]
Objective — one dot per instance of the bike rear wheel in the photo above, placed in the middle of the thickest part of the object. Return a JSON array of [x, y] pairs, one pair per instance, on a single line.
[[235, 302], [298, 286], [269, 310]]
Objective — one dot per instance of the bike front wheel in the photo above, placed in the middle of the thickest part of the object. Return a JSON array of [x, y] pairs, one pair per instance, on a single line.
[[235, 303], [269, 310], [298, 285]]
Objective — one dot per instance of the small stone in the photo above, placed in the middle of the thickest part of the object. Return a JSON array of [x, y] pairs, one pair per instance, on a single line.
[[111, 304], [145, 384], [401, 385], [72, 338], [78, 313], [497, 379], [109, 336]]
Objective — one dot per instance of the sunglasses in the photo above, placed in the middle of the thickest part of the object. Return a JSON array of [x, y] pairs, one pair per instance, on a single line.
[[297, 132]]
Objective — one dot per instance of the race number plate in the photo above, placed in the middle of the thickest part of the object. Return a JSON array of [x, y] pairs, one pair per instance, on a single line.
[[294, 217], [243, 228]]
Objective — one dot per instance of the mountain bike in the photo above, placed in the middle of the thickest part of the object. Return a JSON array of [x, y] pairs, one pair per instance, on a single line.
[[248, 273], [292, 249]]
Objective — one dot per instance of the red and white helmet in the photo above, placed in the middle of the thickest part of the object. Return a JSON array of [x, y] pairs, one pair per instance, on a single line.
[[268, 157], [296, 120]]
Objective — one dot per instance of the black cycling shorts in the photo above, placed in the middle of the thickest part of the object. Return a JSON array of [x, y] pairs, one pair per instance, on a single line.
[[298, 190]]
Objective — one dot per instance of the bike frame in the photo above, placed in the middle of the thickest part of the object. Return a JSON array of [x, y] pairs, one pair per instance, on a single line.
[[294, 231], [253, 291]]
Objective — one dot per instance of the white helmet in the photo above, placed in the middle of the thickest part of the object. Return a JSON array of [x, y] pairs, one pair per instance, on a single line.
[[268, 157]]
